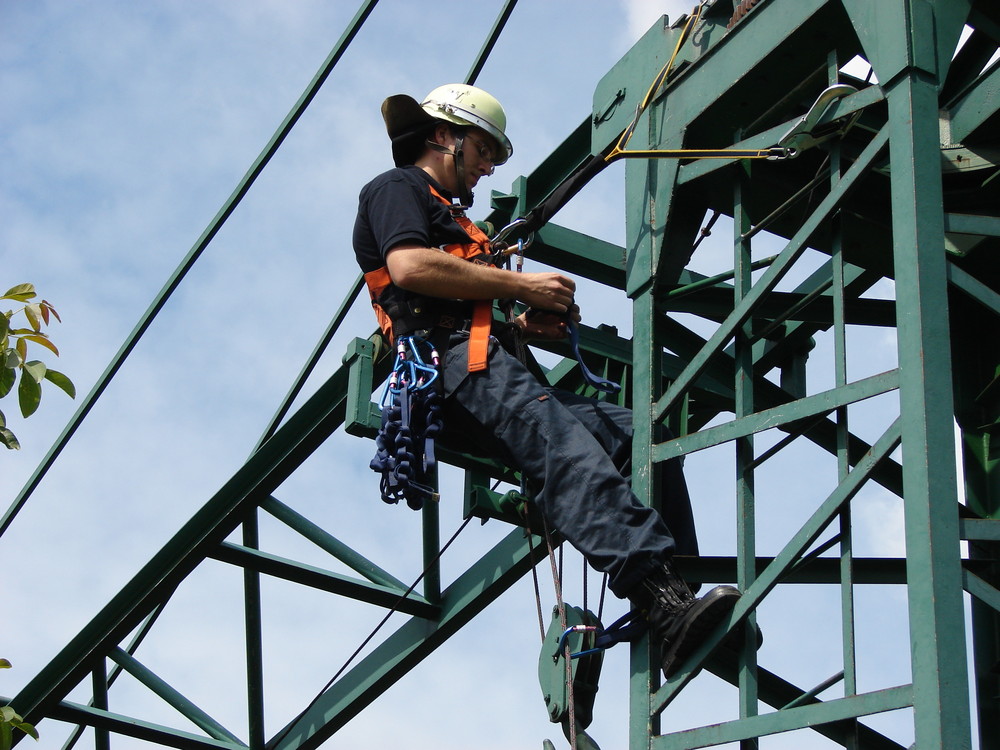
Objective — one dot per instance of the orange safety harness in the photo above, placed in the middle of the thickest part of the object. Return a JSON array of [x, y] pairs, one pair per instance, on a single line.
[[399, 314]]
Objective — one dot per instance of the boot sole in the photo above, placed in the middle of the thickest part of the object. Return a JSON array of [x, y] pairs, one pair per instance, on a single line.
[[699, 621]]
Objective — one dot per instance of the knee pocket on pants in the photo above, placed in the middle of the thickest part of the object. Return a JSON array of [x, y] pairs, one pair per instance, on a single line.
[[528, 412]]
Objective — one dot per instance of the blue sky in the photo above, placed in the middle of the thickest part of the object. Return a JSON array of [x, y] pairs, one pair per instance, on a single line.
[[123, 128]]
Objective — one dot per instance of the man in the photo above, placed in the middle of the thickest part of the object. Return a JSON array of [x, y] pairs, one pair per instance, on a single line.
[[427, 270]]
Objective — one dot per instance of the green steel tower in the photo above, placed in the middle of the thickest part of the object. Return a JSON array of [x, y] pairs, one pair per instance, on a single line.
[[855, 142]]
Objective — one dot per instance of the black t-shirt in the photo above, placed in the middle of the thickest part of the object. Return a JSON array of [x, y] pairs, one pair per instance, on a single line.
[[397, 207]]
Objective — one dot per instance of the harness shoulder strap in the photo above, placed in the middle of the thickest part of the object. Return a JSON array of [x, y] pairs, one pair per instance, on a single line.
[[482, 310]]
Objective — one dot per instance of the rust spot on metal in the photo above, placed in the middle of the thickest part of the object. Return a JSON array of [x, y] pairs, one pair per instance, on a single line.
[[741, 10]]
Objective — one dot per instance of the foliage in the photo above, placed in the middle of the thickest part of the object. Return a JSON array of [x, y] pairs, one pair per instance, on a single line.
[[9, 721], [14, 356]]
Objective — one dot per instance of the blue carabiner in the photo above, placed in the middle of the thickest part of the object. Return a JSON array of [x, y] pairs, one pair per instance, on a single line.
[[569, 631], [420, 366]]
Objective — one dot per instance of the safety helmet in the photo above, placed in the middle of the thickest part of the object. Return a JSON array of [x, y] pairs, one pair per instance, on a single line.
[[457, 103]]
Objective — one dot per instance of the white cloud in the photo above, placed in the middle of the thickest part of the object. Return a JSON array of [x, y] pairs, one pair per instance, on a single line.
[[641, 14], [880, 523]]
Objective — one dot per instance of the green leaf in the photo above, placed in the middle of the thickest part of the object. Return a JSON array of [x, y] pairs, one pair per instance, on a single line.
[[20, 293], [8, 440], [4, 664], [8, 714], [29, 394], [60, 380], [33, 312], [4, 324], [27, 728], [7, 377], [35, 369]]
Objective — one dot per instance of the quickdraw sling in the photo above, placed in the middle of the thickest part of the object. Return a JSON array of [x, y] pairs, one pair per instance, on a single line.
[[411, 420]]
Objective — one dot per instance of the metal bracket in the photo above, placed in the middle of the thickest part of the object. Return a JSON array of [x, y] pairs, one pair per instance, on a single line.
[[803, 134], [585, 671]]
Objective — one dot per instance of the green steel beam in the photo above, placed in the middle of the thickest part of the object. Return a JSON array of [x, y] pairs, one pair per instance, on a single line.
[[772, 276], [803, 717], [976, 530], [822, 433], [414, 641], [937, 627], [128, 726], [324, 580], [579, 254], [819, 404], [647, 378], [979, 103], [792, 552], [262, 473], [102, 738], [713, 302], [974, 288], [988, 226], [491, 40], [777, 693], [982, 590], [331, 545], [532, 189], [186, 707], [867, 570], [743, 407], [254, 641]]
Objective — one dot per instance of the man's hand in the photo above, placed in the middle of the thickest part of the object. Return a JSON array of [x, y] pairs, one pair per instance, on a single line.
[[548, 291], [540, 324]]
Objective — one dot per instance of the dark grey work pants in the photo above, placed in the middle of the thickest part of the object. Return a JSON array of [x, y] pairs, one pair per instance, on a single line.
[[576, 454]]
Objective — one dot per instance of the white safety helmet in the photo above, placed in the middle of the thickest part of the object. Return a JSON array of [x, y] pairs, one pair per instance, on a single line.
[[457, 103]]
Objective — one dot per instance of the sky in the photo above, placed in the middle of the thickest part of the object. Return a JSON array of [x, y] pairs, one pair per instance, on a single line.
[[124, 127]]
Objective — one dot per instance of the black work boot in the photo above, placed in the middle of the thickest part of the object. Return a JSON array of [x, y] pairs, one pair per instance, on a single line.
[[678, 620]]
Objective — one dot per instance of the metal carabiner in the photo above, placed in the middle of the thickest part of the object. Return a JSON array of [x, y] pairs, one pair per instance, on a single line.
[[418, 365], [500, 244]]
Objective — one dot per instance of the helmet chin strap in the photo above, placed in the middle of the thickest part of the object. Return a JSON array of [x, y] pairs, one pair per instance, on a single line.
[[465, 196]]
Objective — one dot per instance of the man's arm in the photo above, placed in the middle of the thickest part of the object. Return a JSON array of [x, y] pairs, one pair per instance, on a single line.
[[435, 273]]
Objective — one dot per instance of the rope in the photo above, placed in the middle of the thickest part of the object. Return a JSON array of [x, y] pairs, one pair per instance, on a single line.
[[534, 574], [540, 215], [563, 623], [626, 135], [619, 150]]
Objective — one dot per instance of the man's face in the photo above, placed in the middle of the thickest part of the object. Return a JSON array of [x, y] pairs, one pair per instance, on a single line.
[[479, 151]]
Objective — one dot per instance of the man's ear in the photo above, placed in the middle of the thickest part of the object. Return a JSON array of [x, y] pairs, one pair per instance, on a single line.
[[441, 133]]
